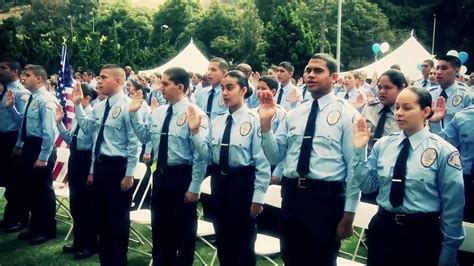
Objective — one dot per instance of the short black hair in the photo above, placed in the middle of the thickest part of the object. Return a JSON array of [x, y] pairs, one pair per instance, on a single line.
[[89, 72], [396, 78], [287, 66], [270, 81], [12, 64], [331, 63], [199, 76], [179, 76], [424, 98], [453, 60], [87, 90], [241, 80], [223, 65]]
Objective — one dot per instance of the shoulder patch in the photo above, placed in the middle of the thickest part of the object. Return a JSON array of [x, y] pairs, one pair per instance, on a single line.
[[454, 160], [50, 105]]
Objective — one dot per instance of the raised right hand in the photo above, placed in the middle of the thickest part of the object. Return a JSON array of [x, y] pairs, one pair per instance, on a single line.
[[77, 95], [361, 134], [439, 110], [59, 114], [194, 119], [10, 99], [267, 110], [136, 102]]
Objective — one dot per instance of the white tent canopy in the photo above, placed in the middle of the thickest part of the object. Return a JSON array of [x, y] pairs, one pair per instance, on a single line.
[[407, 56], [190, 58]]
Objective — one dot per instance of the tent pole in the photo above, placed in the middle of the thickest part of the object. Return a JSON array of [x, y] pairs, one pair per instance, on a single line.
[[434, 33]]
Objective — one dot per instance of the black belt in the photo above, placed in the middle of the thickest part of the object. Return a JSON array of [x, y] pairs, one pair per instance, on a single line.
[[110, 159], [305, 183], [231, 171], [9, 134], [174, 170], [33, 140], [409, 219]]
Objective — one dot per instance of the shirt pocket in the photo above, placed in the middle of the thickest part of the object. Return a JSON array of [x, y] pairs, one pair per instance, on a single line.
[[326, 147], [115, 126], [384, 174]]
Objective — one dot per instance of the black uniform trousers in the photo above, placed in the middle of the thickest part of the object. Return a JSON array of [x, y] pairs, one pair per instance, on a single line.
[[410, 240], [39, 195], [311, 212], [465, 258], [81, 200], [112, 208], [235, 231], [174, 223], [15, 211]]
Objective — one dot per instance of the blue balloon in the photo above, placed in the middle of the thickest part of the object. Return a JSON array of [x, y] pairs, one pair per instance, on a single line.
[[419, 67], [463, 56], [376, 48]]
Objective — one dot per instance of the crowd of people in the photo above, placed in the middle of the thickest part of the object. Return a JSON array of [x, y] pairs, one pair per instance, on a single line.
[[325, 139]]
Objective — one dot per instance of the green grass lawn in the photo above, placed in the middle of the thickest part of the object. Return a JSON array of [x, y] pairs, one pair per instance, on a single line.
[[16, 252]]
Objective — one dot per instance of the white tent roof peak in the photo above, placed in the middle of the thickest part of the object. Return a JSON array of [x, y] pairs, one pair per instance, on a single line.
[[407, 56], [190, 58]]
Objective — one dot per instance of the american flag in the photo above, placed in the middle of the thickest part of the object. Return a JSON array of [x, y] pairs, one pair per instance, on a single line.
[[64, 95]]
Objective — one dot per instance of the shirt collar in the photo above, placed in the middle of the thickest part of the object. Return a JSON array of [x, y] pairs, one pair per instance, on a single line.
[[326, 100], [239, 114], [415, 139], [177, 107], [113, 99], [450, 90], [14, 84], [38, 91], [286, 87], [381, 106], [215, 88]]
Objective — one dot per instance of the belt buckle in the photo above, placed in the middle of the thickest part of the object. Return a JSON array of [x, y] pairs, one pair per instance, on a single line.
[[300, 182], [398, 216], [98, 158], [223, 173]]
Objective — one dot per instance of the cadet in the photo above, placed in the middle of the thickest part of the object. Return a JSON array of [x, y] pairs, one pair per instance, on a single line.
[[179, 173], [35, 146], [306, 95], [421, 199], [81, 197], [240, 173], [210, 99], [457, 96], [114, 158], [267, 83], [458, 132], [424, 82], [13, 99], [251, 101], [316, 144], [287, 96], [351, 93]]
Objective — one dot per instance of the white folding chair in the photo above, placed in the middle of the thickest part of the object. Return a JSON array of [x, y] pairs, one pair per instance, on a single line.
[[61, 189], [205, 228], [363, 215], [346, 262], [2, 192], [140, 216], [267, 245], [468, 243]]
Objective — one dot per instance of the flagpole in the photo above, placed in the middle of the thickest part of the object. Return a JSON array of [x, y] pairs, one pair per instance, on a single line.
[[339, 29], [434, 33]]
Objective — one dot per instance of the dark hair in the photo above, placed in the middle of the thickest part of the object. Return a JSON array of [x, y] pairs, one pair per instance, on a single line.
[[179, 76], [274, 68], [270, 81], [138, 87], [87, 90], [38, 71], [395, 66], [424, 98], [396, 78], [241, 80], [453, 60], [199, 76], [89, 72], [12, 64], [429, 62], [245, 68], [223, 65], [287, 66], [331, 63]]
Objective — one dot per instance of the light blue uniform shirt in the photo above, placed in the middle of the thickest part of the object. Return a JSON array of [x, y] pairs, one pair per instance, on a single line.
[[158, 95], [41, 121], [459, 97], [305, 93], [252, 101], [277, 120], [218, 106], [433, 182], [119, 138], [458, 132], [353, 94], [244, 147], [285, 97], [181, 143], [10, 118], [84, 141], [332, 144]]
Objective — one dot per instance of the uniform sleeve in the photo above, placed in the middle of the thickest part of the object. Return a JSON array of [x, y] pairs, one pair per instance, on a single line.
[[141, 129], [365, 170], [450, 133], [48, 115], [352, 189], [65, 134], [275, 145], [451, 192], [18, 108], [132, 147], [200, 157], [262, 176], [87, 123], [278, 171]]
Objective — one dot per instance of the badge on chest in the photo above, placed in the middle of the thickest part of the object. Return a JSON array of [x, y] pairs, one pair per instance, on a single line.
[[116, 112], [333, 117], [245, 129], [457, 100], [181, 119], [428, 157]]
